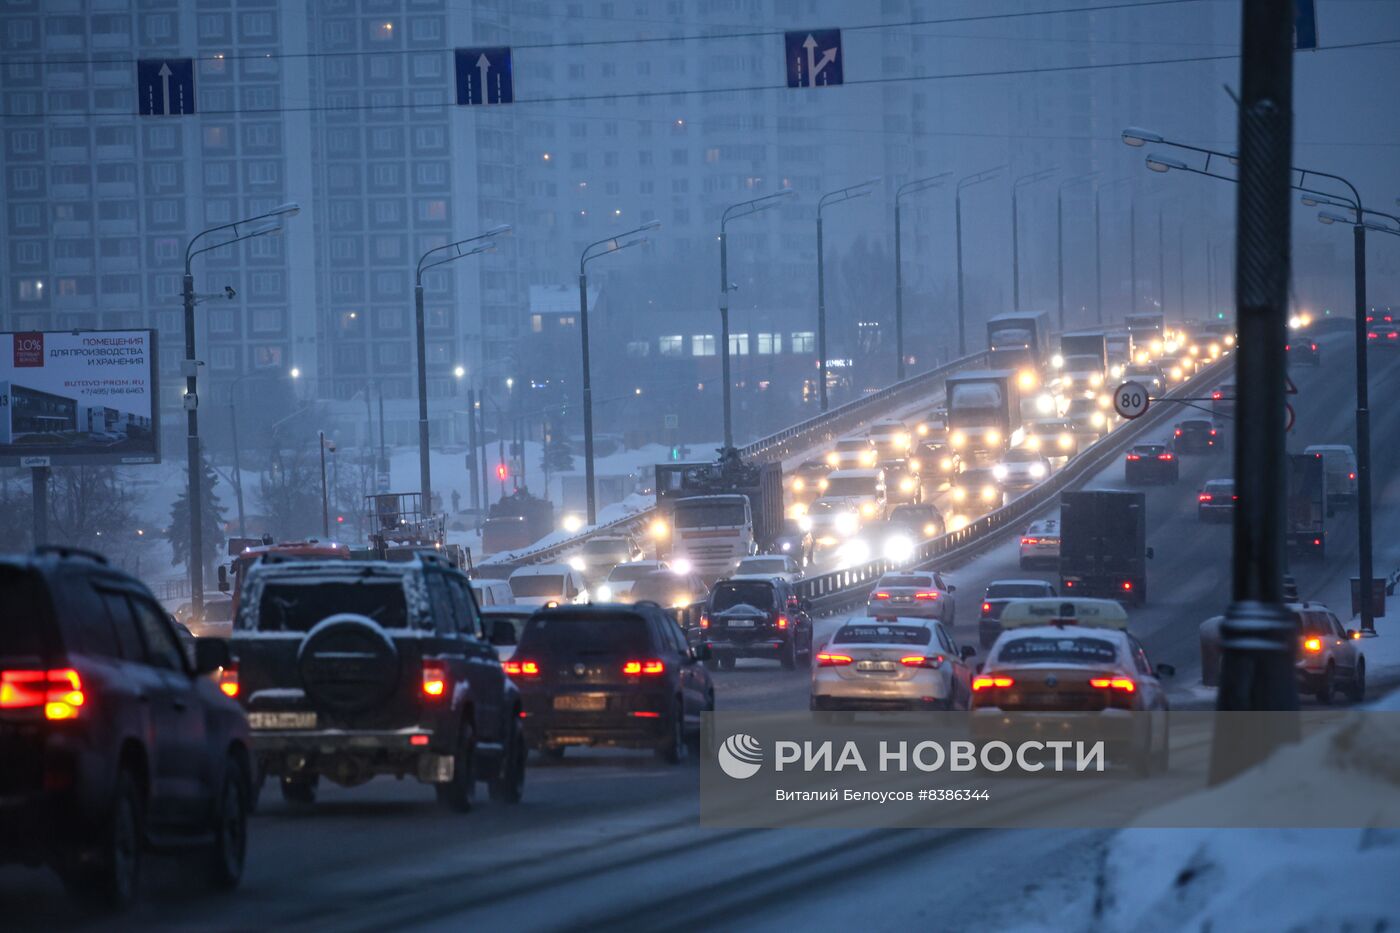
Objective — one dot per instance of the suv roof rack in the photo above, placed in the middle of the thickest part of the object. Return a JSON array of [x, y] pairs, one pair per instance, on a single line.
[[66, 551]]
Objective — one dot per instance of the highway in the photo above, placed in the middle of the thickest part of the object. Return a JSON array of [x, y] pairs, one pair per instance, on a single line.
[[609, 840]]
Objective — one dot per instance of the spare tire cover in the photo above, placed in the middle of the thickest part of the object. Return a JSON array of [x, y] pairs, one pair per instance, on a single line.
[[348, 664]]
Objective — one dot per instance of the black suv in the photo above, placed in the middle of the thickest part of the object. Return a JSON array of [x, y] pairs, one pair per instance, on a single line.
[[610, 674], [756, 619], [352, 669], [1195, 436], [111, 740]]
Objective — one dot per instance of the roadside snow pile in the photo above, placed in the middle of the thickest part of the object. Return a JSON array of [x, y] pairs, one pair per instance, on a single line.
[[1273, 879]]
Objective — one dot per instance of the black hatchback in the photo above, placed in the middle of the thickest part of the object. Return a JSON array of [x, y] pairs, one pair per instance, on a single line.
[[1150, 463], [610, 674]]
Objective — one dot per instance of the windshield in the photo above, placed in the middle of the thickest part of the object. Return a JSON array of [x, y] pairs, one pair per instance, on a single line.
[[763, 565], [976, 395], [1079, 364], [1021, 456], [542, 584], [1015, 335], [852, 486], [298, 606], [882, 635], [630, 573], [709, 514], [666, 588], [729, 595], [1015, 590], [555, 634], [1066, 650], [824, 507], [1149, 450], [613, 549]]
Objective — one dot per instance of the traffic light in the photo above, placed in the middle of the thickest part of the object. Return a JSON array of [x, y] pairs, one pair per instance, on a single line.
[[675, 452], [502, 472], [340, 519]]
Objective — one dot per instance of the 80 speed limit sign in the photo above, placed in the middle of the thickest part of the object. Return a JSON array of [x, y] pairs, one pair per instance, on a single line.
[[1130, 400]]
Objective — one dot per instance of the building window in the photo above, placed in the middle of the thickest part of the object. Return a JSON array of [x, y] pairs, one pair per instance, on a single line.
[[702, 345], [671, 346], [804, 341], [770, 343], [266, 320], [223, 322], [267, 355], [638, 349], [738, 344]]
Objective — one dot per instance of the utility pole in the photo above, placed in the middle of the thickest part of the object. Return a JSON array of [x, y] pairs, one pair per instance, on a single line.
[[237, 465], [471, 451], [1161, 268], [39, 477], [1132, 255], [1098, 262]]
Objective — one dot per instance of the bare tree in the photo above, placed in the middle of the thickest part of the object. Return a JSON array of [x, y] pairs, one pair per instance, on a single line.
[[289, 493], [89, 508]]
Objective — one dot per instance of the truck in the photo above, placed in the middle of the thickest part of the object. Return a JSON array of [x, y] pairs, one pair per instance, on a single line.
[[1083, 363], [1103, 545], [1306, 507], [721, 511], [984, 414], [1019, 340], [1144, 329], [516, 521]]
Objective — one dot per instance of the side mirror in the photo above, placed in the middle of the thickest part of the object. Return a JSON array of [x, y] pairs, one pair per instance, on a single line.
[[223, 579], [502, 633], [1149, 554], [701, 652], [1166, 671], [967, 651], [210, 654]]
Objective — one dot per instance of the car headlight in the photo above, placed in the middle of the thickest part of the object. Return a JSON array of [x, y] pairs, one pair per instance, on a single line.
[[577, 563], [804, 522], [798, 484], [1096, 380], [833, 458], [868, 457], [571, 523], [957, 439], [1066, 441], [1037, 471], [855, 551], [915, 464], [1098, 419], [922, 430], [1027, 380], [867, 509], [903, 441], [946, 464], [1045, 403], [1033, 442], [906, 485], [930, 529], [989, 493], [999, 471], [959, 494], [680, 601], [604, 593], [659, 530], [1156, 346], [847, 524], [1176, 373], [1067, 380], [1116, 371], [993, 436], [822, 484], [787, 546], [1057, 361], [899, 549], [681, 566]]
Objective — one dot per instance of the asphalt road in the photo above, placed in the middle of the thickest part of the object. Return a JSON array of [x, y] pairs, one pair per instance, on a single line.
[[610, 840]]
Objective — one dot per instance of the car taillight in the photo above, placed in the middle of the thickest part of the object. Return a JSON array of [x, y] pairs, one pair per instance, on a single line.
[[1164, 456], [988, 682], [931, 594], [781, 622], [228, 680], [1317, 542], [1025, 541], [919, 660], [1134, 457], [650, 667], [1177, 432], [1212, 432], [1371, 335], [879, 595], [1351, 476], [59, 691], [1127, 586], [1113, 683], [833, 660], [434, 679], [1392, 335], [521, 668], [1312, 346], [704, 621], [1312, 644], [1204, 497], [986, 608]]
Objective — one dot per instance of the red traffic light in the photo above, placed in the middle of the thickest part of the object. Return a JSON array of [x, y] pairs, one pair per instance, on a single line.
[[340, 519], [501, 472]]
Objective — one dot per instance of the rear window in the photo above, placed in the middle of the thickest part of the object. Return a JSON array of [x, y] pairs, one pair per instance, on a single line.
[[541, 584], [729, 595], [906, 580], [26, 609], [882, 635], [763, 565], [1015, 591], [297, 607], [1067, 650], [1149, 450], [623, 573], [570, 634]]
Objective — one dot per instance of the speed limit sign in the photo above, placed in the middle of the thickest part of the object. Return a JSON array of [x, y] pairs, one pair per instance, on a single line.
[[1130, 400]]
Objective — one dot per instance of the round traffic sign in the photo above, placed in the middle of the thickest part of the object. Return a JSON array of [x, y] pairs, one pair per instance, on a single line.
[[1130, 400]]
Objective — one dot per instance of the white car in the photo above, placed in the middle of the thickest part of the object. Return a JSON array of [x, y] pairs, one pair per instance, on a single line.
[[891, 664], [853, 453], [548, 585], [617, 588], [768, 566], [915, 594], [492, 593], [1021, 469], [831, 521], [891, 436], [1040, 545]]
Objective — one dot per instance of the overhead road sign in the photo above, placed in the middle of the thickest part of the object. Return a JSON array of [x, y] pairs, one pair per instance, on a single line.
[[813, 58], [165, 87], [484, 76]]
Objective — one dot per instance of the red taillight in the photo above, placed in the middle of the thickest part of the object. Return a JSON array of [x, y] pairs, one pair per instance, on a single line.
[[1177, 432], [1392, 335], [879, 595], [918, 660], [1351, 476], [434, 679], [1113, 683], [1287, 347], [987, 682], [1312, 346], [59, 691], [1217, 395], [1371, 335], [1205, 497], [520, 668], [782, 622], [833, 660], [418, 740], [1317, 542], [644, 714], [1212, 432], [1164, 456], [650, 667], [1134, 457], [1127, 586], [704, 621], [1069, 583], [228, 680], [1025, 541], [986, 608], [1312, 644], [931, 594]]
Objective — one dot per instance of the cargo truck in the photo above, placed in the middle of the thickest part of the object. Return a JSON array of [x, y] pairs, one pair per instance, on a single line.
[[984, 414], [1083, 363], [720, 512], [1307, 506], [1019, 340], [1103, 545]]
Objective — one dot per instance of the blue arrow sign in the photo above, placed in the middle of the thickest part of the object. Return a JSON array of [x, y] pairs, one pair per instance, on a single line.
[[813, 58], [1304, 24], [164, 87], [484, 76]]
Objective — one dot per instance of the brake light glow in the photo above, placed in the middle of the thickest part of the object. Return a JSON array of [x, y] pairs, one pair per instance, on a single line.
[[931, 594], [1317, 542], [879, 595], [918, 660], [59, 691], [1205, 497], [704, 622], [1025, 541], [1351, 476], [1164, 456], [1212, 432], [1113, 683], [833, 660], [987, 682], [986, 608], [521, 668], [434, 679], [1177, 432], [418, 740], [228, 680], [650, 667], [645, 714], [782, 622], [1134, 457], [1312, 644]]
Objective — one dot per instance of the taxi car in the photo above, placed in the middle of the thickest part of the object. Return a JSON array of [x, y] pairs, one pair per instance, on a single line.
[[1073, 661], [1040, 545], [891, 663]]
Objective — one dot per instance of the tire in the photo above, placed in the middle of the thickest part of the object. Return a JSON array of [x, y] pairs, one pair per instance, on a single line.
[[788, 657], [1356, 690], [509, 785], [300, 792], [1327, 686], [673, 750], [230, 848], [113, 882], [459, 793]]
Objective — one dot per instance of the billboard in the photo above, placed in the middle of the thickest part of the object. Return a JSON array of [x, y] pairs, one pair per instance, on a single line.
[[78, 397]]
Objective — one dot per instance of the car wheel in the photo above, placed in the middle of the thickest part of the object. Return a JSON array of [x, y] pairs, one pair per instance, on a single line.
[[300, 791], [459, 793], [788, 657], [674, 749], [509, 785], [1356, 692], [113, 881], [1327, 685], [230, 846]]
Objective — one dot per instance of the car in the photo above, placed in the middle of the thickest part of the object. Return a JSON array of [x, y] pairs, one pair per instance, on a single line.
[[1329, 656], [1195, 436], [808, 480], [617, 587], [1053, 437], [923, 520], [831, 520], [999, 593], [670, 588], [1222, 401], [793, 541], [216, 619], [864, 488], [601, 554], [891, 664], [892, 438], [353, 669], [1074, 657], [542, 584], [1382, 331], [1216, 500], [1150, 463], [514, 616], [756, 619], [1338, 469], [1020, 468], [896, 542], [976, 492], [1149, 374], [938, 462], [1088, 418], [902, 480], [1040, 545], [853, 453], [492, 593], [111, 742], [1303, 352], [610, 675], [915, 594], [769, 565]]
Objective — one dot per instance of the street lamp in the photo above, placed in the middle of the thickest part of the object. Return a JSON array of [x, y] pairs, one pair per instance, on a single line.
[[733, 212], [1030, 179], [258, 225], [1060, 236], [610, 245], [909, 187], [439, 255], [966, 181], [832, 197]]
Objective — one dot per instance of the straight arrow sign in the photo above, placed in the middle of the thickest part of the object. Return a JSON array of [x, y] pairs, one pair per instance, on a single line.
[[484, 76], [165, 87]]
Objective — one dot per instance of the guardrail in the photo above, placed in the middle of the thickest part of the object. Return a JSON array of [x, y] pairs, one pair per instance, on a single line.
[[841, 589]]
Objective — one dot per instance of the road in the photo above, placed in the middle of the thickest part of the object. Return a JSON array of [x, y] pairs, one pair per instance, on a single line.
[[610, 839]]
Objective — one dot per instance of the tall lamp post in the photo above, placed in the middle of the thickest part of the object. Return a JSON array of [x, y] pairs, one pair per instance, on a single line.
[[909, 187], [1060, 238], [590, 253], [734, 212], [437, 256], [258, 225], [1016, 185], [967, 181], [831, 197], [1098, 246]]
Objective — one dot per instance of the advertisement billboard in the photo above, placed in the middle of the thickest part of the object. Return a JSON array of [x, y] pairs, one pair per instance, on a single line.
[[78, 397]]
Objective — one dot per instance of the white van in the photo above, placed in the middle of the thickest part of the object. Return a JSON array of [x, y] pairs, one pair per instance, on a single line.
[[866, 488], [1339, 468], [544, 584], [492, 593]]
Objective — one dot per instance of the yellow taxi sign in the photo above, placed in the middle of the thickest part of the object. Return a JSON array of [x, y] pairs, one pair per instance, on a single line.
[[1089, 613]]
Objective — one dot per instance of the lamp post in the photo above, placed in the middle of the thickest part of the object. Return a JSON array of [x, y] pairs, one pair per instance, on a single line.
[[831, 197], [909, 187], [610, 245], [1098, 246], [1060, 236], [733, 212], [967, 181], [1030, 179], [258, 225], [437, 256]]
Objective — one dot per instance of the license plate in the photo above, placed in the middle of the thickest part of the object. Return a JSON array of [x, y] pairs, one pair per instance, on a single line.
[[876, 666], [740, 623], [581, 702], [295, 720]]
